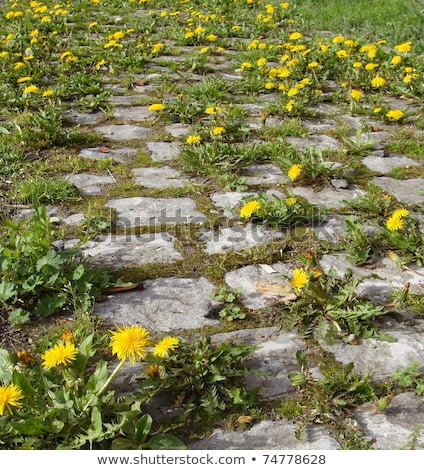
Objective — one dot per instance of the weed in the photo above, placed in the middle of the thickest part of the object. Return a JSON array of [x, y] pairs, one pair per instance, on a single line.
[[228, 298]]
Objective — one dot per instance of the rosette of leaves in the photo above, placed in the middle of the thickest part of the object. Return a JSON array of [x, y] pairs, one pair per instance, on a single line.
[[278, 212]]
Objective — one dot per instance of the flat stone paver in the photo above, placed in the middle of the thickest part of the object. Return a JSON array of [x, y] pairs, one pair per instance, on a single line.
[[120, 155], [133, 113], [237, 238], [387, 164], [130, 250], [163, 151], [147, 211], [163, 305], [163, 177], [409, 191], [265, 173], [328, 198], [119, 132], [90, 185]]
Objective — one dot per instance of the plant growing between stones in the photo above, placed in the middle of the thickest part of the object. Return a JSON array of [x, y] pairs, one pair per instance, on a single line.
[[228, 298]]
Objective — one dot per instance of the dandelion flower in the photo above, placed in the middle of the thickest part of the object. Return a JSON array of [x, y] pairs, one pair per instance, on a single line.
[[404, 47], [400, 213], [290, 201], [31, 89], [23, 79], [356, 94], [130, 343], [152, 370], [246, 66], [395, 114], [261, 62], [295, 171], [156, 107], [378, 82], [218, 130], [213, 110], [193, 139], [58, 355], [249, 208], [10, 395], [294, 36], [165, 345], [300, 279], [394, 223]]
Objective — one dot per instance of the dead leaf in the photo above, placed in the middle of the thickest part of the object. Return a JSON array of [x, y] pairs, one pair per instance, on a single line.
[[244, 419], [275, 289], [125, 288], [104, 150]]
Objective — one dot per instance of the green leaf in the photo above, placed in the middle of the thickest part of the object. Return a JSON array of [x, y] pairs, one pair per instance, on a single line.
[[78, 272], [7, 363], [95, 429], [99, 377], [30, 426], [24, 384], [121, 443], [51, 259], [49, 305], [142, 428], [84, 353], [18, 316], [7, 290], [165, 442]]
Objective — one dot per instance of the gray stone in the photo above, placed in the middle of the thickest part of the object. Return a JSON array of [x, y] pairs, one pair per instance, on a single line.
[[122, 251], [146, 211], [163, 305], [74, 219], [250, 280], [237, 238], [133, 113], [82, 119], [163, 177], [128, 100], [329, 198], [386, 164], [123, 131], [163, 151], [277, 435], [121, 155], [317, 141], [393, 428], [275, 358], [410, 191], [264, 173], [339, 183], [229, 201], [177, 129], [332, 229], [89, 185], [318, 125]]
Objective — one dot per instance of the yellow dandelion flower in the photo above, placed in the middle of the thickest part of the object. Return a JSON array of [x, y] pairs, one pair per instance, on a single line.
[[313, 64], [294, 36], [100, 64], [294, 171], [290, 105], [371, 66], [23, 79], [357, 65], [245, 66], [48, 92], [92, 24], [31, 89], [300, 279], [394, 223], [59, 355], [249, 208], [378, 110], [404, 47], [285, 5], [157, 47], [269, 85], [156, 107], [396, 59], [400, 213], [356, 94], [338, 39], [130, 343], [211, 37], [165, 345], [378, 82], [193, 139], [395, 114], [261, 62], [203, 50], [342, 54], [290, 201], [199, 30], [67, 336], [10, 395], [292, 91], [213, 110], [218, 130], [152, 370]]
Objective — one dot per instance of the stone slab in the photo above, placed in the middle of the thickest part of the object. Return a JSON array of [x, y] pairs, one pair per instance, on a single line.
[[246, 277], [122, 251], [275, 357], [89, 185], [178, 130], [119, 132], [163, 151], [269, 435], [237, 238], [328, 198], [163, 177], [409, 191], [121, 155], [264, 173], [387, 164], [317, 141], [163, 305], [147, 211], [133, 113]]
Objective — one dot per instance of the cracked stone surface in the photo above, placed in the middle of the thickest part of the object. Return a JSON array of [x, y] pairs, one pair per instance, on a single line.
[[146, 211], [163, 177], [119, 132]]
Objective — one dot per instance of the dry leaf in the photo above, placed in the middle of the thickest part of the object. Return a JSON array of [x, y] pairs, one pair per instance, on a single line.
[[275, 289], [104, 150], [244, 419]]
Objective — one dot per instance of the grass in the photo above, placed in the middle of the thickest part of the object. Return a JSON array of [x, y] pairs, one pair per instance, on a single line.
[[290, 61]]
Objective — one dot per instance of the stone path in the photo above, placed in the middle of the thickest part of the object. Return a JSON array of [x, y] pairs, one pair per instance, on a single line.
[[177, 304]]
